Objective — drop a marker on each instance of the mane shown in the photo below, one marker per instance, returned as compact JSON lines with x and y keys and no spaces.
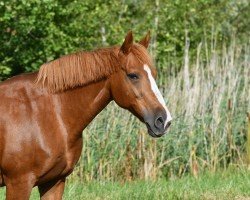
{"x":77,"y":69}
{"x":83,"y":68}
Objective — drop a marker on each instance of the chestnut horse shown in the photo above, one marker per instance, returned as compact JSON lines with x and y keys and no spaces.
{"x":44,"y":113}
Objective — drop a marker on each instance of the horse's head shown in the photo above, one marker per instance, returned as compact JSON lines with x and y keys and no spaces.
{"x":134,"y":87}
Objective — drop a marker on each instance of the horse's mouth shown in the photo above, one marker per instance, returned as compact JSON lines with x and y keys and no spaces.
{"x":154,"y":134}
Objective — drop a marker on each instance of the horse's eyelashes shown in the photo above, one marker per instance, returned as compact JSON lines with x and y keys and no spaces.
{"x":133,"y":76}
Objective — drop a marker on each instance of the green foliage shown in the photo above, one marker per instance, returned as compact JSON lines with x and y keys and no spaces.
{"x":5,"y":72}
{"x":33,"y":31}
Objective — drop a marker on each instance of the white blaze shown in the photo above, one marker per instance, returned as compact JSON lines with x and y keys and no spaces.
{"x":157,"y":93}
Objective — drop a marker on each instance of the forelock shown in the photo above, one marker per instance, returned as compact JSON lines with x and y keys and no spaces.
{"x":141,"y":53}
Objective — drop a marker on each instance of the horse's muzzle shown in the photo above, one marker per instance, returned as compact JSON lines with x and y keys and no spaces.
{"x":156,"y":125}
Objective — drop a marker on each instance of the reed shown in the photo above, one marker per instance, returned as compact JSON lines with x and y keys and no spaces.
{"x":208,"y":131}
{"x":248,"y":141}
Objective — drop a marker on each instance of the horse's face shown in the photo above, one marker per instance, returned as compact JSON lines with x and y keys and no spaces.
{"x":134,"y":87}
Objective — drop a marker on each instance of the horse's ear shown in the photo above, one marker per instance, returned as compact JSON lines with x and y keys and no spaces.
{"x":128,"y":42}
{"x":145,"y":41}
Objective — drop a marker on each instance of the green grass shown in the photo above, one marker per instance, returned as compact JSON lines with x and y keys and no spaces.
{"x":232,"y":184}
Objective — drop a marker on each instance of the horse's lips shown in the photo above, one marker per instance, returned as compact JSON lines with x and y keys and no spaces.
{"x":152,"y":133}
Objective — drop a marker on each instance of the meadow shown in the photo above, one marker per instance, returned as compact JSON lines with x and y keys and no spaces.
{"x":229,"y":184}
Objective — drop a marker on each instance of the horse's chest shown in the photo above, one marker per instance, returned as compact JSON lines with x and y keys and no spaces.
{"x":62,"y":163}
{"x":71,"y":158}
{"x":1,"y":179}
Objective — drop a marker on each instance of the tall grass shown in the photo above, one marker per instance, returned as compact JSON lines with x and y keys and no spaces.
{"x":209,"y":100}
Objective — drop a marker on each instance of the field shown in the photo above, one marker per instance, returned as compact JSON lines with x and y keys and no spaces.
{"x":230,"y":184}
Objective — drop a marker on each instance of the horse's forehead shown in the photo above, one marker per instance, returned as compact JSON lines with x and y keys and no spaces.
{"x":153,"y":71}
{"x":134,"y":62}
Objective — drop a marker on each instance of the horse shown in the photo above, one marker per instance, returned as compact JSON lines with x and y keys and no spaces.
{"x":44,"y":113}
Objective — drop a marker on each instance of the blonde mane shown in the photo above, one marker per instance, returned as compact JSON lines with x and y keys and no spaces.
{"x":82,"y":68}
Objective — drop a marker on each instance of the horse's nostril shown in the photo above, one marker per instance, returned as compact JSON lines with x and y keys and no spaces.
{"x":168,"y":124}
{"x":159,"y":122}
{"x":160,"y":119}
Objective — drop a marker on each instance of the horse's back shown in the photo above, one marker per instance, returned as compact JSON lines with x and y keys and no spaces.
{"x":13,"y":87}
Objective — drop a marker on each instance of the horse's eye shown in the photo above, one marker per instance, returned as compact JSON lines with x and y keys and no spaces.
{"x":133,"y":76}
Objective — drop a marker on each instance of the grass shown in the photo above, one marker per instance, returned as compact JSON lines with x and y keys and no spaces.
{"x":229,"y":184}
{"x":208,"y":186}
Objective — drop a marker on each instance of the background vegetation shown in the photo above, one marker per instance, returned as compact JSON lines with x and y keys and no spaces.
{"x":202,"y":53}
{"x":33,"y":31}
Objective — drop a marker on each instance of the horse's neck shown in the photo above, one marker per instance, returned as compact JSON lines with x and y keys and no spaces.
{"x":80,"y":106}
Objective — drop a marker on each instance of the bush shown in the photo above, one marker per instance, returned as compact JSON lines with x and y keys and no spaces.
{"x":34,"y":31}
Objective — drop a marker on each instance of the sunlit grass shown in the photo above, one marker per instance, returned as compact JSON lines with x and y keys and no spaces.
{"x":231,"y":184}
